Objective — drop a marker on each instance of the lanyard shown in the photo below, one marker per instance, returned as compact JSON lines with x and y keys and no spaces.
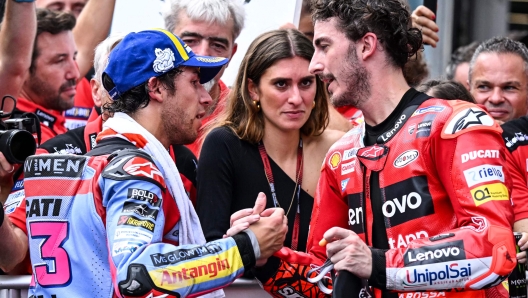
{"x":296,"y":190}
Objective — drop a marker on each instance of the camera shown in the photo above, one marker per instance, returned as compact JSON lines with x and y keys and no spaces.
{"x":16,"y":133}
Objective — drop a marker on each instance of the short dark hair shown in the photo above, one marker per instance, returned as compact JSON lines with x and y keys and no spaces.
{"x":138,"y":97}
{"x":461,"y":55}
{"x":53,"y":22}
{"x":445,"y":89}
{"x":500,"y":45}
{"x":390,"y":20}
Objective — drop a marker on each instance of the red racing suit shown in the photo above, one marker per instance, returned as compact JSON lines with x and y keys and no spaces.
{"x":515,"y":136}
{"x":448,"y":219}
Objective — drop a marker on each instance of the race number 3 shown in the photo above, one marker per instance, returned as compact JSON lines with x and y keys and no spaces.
{"x":54,"y":233}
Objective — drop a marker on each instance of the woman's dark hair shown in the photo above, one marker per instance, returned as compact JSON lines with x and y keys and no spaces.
{"x":138,"y":97}
{"x":390,"y":20}
{"x":446,"y":90}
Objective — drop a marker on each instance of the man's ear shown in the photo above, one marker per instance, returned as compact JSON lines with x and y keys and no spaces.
{"x":369,"y":45}
{"x":155,"y":89}
{"x":96,"y":87}
{"x":253,"y":90}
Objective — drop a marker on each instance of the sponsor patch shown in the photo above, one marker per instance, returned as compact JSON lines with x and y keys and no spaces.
{"x":209,"y":271}
{"x":349,"y":154}
{"x":403,"y":240}
{"x":78,"y":112}
{"x":348,"y":167}
{"x":145,"y":196}
{"x":424,"y":129}
{"x":181,"y":255}
{"x":411,"y":128}
{"x":13,"y":201}
{"x":407,"y":200}
{"x":93,"y":137}
{"x":122,"y":247}
{"x":431,"y":109}
{"x":18,"y":185}
{"x":519,"y":137}
{"x":386,"y":136}
{"x":406,"y":158}
{"x":129,"y":220}
{"x":46,"y":118}
{"x":70,"y":149}
{"x":54,"y":165}
{"x":373,"y":152}
{"x":124,"y":233}
{"x":488,"y":153}
{"x":489,"y":192}
{"x":355,"y":213}
{"x":445,"y":252}
{"x":373,"y":157}
{"x":140,"y":209}
{"x":483,"y":173}
{"x":344,"y":184}
{"x":334,"y":160}
{"x":139,"y":166}
{"x":454,"y":274}
{"x":74,"y":123}
{"x":44,"y":206}
{"x":467,"y":118}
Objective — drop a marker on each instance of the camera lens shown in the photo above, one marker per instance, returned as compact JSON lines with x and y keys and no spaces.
{"x":17,"y":145}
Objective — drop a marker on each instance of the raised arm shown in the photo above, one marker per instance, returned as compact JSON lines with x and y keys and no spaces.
{"x":92,"y":28}
{"x":17,"y":35}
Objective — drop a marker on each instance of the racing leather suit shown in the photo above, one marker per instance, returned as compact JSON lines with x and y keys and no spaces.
{"x":107,"y":225}
{"x":79,"y":141}
{"x":515,"y":136}
{"x":448,"y":219}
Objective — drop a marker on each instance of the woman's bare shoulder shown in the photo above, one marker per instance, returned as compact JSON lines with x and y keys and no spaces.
{"x":325,"y":140}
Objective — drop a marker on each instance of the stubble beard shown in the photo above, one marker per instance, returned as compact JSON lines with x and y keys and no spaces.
{"x":178,"y":126}
{"x":51,"y":99}
{"x":357,"y":84}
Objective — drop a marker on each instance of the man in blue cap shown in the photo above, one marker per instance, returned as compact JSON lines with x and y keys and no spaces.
{"x":118,"y":222}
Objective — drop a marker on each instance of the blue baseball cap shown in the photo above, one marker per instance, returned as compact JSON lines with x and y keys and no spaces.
{"x":152,"y":53}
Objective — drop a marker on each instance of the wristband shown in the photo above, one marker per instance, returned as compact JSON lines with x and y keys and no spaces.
{"x":22,"y":1}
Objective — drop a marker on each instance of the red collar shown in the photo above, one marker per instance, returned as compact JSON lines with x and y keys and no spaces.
{"x":51,"y":118}
{"x":91,"y":130}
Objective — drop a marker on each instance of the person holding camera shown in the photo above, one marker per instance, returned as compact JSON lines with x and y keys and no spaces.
{"x":49,"y":89}
{"x":79,"y":141}
{"x":17,"y":35}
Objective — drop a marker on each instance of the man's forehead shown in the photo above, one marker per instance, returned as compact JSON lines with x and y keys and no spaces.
{"x":492,"y":63}
{"x":204,"y":28}
{"x":326,"y":29}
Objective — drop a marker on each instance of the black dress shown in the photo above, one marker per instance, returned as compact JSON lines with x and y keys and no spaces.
{"x":230,"y":176}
